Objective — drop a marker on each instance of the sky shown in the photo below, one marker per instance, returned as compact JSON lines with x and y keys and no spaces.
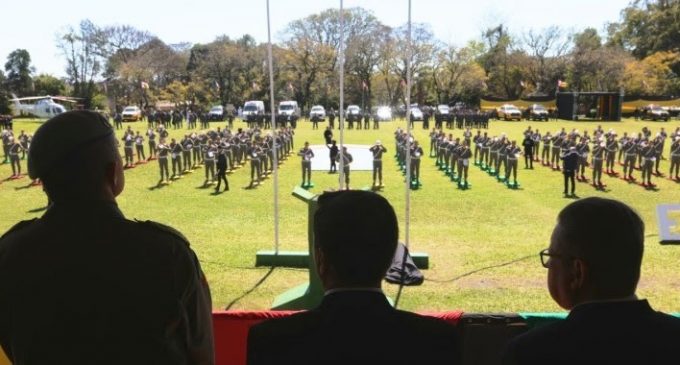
{"x":34,"y":25}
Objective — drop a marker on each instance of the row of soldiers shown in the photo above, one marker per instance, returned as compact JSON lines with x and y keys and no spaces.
{"x":197,"y":149}
{"x":492,"y":153}
{"x":640,"y":151}
{"x":176,"y":119}
{"x":461,"y":119}
{"x":14,"y":149}
{"x":407,"y":146}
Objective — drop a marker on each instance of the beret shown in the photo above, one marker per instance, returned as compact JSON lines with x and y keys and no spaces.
{"x":63,"y":135}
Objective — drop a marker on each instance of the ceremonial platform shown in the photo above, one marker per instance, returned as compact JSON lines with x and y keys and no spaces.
{"x":363,"y":158}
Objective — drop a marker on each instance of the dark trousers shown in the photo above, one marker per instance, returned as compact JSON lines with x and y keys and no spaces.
{"x":377,"y":170}
{"x":222,"y":176}
{"x":334,"y":167}
{"x":529,"y":160}
{"x":569,"y":176}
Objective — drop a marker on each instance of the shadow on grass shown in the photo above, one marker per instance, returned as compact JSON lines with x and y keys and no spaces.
{"x":249,"y":291}
{"x":28,"y":186}
{"x":158,"y":186}
{"x":507,"y":263}
{"x":38,"y":210}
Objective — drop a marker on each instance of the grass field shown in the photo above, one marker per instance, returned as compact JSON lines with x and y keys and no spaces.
{"x":483,"y":243}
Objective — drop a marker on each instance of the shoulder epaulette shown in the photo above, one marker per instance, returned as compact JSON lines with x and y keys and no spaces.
{"x":166,"y":229}
{"x":19,"y":226}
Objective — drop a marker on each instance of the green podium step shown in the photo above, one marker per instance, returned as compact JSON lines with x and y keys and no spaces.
{"x":300,"y":259}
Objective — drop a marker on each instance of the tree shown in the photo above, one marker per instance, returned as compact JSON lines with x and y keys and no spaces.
{"x":652,"y":75}
{"x":83,"y":63}
{"x":456,"y":75}
{"x":647,"y":27}
{"x":547,"y":63}
{"x":19,"y":70}
{"x":49,"y":85}
{"x":595,"y":67}
{"x":416,"y":60}
{"x":505,"y":66}
{"x":4,"y":95}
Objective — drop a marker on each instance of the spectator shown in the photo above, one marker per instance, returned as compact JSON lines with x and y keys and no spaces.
{"x":355,"y":236}
{"x":593,"y":269}
{"x":84,"y":285}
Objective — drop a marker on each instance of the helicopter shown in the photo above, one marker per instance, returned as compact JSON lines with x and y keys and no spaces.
{"x":44,"y":106}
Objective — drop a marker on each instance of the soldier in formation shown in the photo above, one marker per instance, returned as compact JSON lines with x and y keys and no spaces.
{"x":306,"y":154}
{"x":377,"y":151}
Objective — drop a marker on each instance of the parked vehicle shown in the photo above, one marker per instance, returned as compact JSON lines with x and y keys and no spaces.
{"x":216,"y":113}
{"x":253,"y":111}
{"x":289,"y":108}
{"x":509,"y":112}
{"x":654,"y":112}
{"x":318,"y":112}
{"x":443,"y":114}
{"x":353,"y":113}
{"x":416,"y":114}
{"x":131,"y":114}
{"x":383,"y":114}
{"x":537,"y":112}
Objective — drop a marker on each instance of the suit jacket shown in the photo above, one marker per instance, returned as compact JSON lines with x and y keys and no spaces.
{"x":221,"y":162}
{"x":628,"y":332}
{"x":353,"y":327}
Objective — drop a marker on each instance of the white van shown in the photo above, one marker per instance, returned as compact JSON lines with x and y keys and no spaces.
{"x":289,"y":108}
{"x":253,"y":108}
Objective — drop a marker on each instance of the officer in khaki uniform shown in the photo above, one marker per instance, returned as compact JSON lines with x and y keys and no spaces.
{"x":598,"y":156}
{"x":377,"y":150}
{"x":307,"y":154}
{"x":675,"y":158}
{"x":648,"y":159}
{"x":84,"y":285}
{"x":176,"y":154}
{"x":347,"y":159}
{"x":162,"y":150}
{"x":464,"y":155}
{"x":512,"y":153}
{"x":14,"y":159}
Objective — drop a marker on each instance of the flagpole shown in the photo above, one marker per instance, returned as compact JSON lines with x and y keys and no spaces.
{"x":341,"y":55}
{"x":407,"y":205}
{"x":275,"y":164}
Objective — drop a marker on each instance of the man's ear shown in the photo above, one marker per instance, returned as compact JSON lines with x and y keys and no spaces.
{"x":579,"y":274}
{"x":319,"y":262}
{"x":114,"y":176}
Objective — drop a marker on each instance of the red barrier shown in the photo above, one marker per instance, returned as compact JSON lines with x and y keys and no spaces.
{"x":231,"y":331}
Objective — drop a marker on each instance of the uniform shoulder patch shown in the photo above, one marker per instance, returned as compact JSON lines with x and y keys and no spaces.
{"x":167,"y":229}
{"x":19,"y":226}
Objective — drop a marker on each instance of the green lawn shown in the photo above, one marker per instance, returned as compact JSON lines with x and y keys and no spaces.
{"x":469,"y":235}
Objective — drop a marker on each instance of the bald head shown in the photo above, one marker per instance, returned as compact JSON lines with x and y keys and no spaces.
{"x":75,"y":154}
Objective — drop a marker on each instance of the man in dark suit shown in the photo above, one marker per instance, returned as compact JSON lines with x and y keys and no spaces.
{"x":593,"y":269}
{"x":222,"y":170}
{"x":355,"y":236}
{"x":570,"y":165}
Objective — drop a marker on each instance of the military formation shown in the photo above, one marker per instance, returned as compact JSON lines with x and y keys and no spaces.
{"x":635,"y":158}
{"x":217,"y":151}
{"x":605,"y":151}
{"x":406,"y":147}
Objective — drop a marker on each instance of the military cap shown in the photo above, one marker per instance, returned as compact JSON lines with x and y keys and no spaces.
{"x":63,"y":135}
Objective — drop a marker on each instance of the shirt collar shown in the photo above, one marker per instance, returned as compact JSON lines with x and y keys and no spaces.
{"x":344,"y":290}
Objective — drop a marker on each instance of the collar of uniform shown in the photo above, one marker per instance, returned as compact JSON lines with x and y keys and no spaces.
{"x":344,"y":290}
{"x":89,"y":208}
{"x":360,"y":298}
{"x":609,"y":307}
